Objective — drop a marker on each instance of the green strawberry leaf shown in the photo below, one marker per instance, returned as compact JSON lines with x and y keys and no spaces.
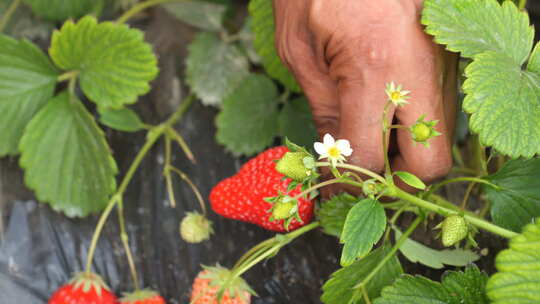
{"x":340,"y":288}
{"x":502,"y":96}
{"x":66,"y":159}
{"x":115,"y":65}
{"x":122,"y":119}
{"x":214,"y":68}
{"x":296,"y":122}
{"x":519,"y":270}
{"x":363,"y":227}
{"x":333,"y":213}
{"x":474,"y":27}
{"x":60,"y":10}
{"x":420,"y":253}
{"x":517,"y":201}
{"x":503,"y":101}
{"x":200,"y":14}
{"x":456,"y":288}
{"x":247,"y":122}
{"x":262,"y":25}
{"x":28,"y":79}
{"x":411,"y":179}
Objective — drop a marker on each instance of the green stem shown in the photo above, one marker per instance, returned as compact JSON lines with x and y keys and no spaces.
{"x":139,"y":7}
{"x":522,"y":4}
{"x":192,"y":186}
{"x":284,"y":240}
{"x":125,"y":242}
{"x":463,"y":179}
{"x":97,"y":232}
{"x":467,"y":195}
{"x":354,"y":168}
{"x":167,"y":171}
{"x":182,"y":143}
{"x":338,"y":180}
{"x":386,"y":128}
{"x":392,"y":252}
{"x":480,"y":223}
{"x":8,"y":14}
{"x":153,"y":135}
{"x":253,"y":251}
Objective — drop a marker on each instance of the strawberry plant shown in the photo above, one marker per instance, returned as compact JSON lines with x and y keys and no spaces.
{"x":56,"y":104}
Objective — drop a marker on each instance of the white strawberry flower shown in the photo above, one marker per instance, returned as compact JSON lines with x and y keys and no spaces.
{"x":396,"y":95}
{"x":334,"y":150}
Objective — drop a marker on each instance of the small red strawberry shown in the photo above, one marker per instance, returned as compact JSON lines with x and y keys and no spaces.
{"x":84,"y":288}
{"x":241,"y":197}
{"x":144,"y":296}
{"x":208,"y":283}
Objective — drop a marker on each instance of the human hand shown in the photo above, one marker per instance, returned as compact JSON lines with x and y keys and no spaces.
{"x":344,"y":52}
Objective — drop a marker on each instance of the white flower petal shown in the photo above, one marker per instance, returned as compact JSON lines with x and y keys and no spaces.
{"x":328,"y":140}
{"x":347,"y":152}
{"x":343,"y":144}
{"x":320,"y":148}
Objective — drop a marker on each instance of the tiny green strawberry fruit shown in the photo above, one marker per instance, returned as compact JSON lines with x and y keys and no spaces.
{"x":454,"y":229}
{"x":424,"y":130}
{"x":284,"y":208}
{"x":292,"y":165}
{"x":195,"y":228}
{"x":370,"y":188}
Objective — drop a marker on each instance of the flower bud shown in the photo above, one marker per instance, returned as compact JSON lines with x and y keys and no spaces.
{"x":292,"y":166}
{"x":195,"y":228}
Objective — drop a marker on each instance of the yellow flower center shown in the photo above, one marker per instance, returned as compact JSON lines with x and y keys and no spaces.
{"x":334,"y":152}
{"x":396,"y":95}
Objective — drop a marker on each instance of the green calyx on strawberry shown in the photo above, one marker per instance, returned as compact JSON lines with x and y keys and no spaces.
{"x":195,"y":228}
{"x":143,"y":296}
{"x":84,"y":288}
{"x":423,"y":130}
{"x":242,"y":196}
{"x":284,"y":208}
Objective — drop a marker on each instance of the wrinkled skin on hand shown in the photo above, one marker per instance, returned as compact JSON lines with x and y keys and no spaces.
{"x":343,"y":53}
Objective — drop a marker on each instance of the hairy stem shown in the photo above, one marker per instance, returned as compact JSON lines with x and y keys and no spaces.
{"x":182,"y":143}
{"x":125,"y":242}
{"x":167,"y":171}
{"x":191,"y":184}
{"x":153,"y":135}
{"x":8,"y":14}
{"x":480,"y":223}
{"x":463,"y":179}
{"x":280,"y":242}
{"x":354,"y":168}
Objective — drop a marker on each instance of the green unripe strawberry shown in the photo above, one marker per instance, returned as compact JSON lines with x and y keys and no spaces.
{"x":195,"y":228}
{"x":421,"y":132}
{"x":292,"y":166}
{"x":284,"y":209}
{"x":454,"y":229}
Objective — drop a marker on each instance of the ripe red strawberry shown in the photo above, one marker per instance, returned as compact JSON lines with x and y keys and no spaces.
{"x":144,"y":296}
{"x":208,"y":282}
{"x":84,"y":288}
{"x":241,"y":197}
